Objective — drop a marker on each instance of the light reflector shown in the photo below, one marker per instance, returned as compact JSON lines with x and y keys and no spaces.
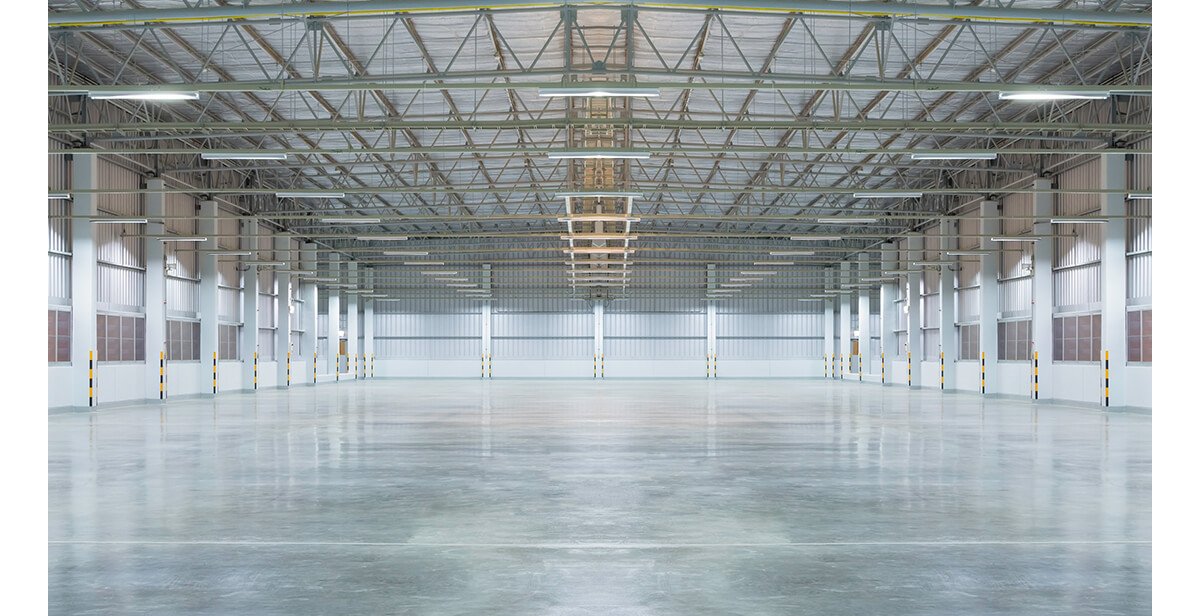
{"x":301,"y":194}
{"x":148,"y":95}
{"x":596,"y":90}
{"x":243,"y":155}
{"x":1052,"y":95}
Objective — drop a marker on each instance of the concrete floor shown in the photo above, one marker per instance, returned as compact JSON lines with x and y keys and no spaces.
{"x":581,"y":497}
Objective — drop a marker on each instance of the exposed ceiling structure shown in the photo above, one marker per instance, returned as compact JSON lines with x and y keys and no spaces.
{"x":600,"y":150}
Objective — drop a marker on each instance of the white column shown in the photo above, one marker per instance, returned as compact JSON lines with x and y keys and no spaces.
{"x":283,"y":312}
{"x":1113,"y":282}
{"x":84,"y":176}
{"x":1043,"y":287}
{"x":369,"y":325}
{"x":989,"y":291}
{"x":916,"y":347}
{"x":830,"y":322}
{"x":949,"y":231}
{"x":887,"y":308}
{"x":352,"y":320}
{"x":864,"y":315}
{"x":308,"y":290}
{"x":249,"y":305}
{"x":333,"y":317}
{"x":206,"y":225}
{"x":844,"y":324}
{"x":597,"y":332}
{"x":710,"y":322}
{"x":485,"y":316}
{"x":156,"y":297}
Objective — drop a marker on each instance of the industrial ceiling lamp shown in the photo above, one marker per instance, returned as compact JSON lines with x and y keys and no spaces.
{"x":597,"y":89}
{"x":1052,"y":95}
{"x":597,"y":153}
{"x":160,"y":96}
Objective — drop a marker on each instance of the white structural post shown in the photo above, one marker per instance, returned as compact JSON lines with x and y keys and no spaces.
{"x":989,"y":291}
{"x":250,"y":309}
{"x":369,"y":325}
{"x":864,"y":317}
{"x":333,"y":317}
{"x":916,"y":347}
{"x":598,"y":336}
{"x":710,"y":322}
{"x":830,"y":324}
{"x":485,"y":317}
{"x":1043,"y":289}
{"x":846,"y":331}
{"x":84,"y":175}
{"x":887,"y":308}
{"x":308,"y":291}
{"x":948,"y":352}
{"x":1113,"y":324}
{"x":283,"y":313}
{"x":156,"y":297}
{"x":352,"y":319}
{"x":206,"y":225}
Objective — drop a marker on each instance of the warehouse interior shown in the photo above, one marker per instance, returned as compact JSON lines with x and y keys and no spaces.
{"x":756,"y":307}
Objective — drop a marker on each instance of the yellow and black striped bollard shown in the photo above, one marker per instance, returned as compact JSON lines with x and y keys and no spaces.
{"x":602,"y":365}
{"x":256,"y":370}
{"x":982,"y":372}
{"x":91,"y":378}
{"x":595,"y":360}
{"x":1035,"y":375}
{"x":942,"y":367}
{"x":882,"y":368}
{"x":314,"y":368}
{"x":289,"y":368}
{"x":162,"y":391}
{"x":910,"y":368}
{"x":1106,"y":378}
{"x":489,"y":365}
{"x":214,"y":372}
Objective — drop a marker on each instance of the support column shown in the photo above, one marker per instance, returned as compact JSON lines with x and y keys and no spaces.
{"x":989,"y":291}
{"x":864,"y":317}
{"x":887,"y":309}
{"x":1113,"y":317}
{"x":352,"y":320}
{"x":710,"y":323}
{"x":916,"y":347}
{"x":844,"y":325}
{"x":830,"y":325}
{"x":283,"y":312}
{"x":485,"y":315}
{"x":598,"y":336}
{"x":369,"y":326}
{"x":84,"y":176}
{"x":206,"y":225}
{"x":1043,"y":288}
{"x":250,"y":348}
{"x":156,"y":295}
{"x":308,"y":290}
{"x":333,"y":317}
{"x":949,"y":352}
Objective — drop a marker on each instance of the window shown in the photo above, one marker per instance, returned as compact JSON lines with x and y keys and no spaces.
{"x":968,"y":342}
{"x":60,"y":336}
{"x":183,"y":340}
{"x":120,"y":338}
{"x":1077,"y":338}
{"x":227,"y":343}
{"x":1013,"y":341}
{"x":1139,"y":327}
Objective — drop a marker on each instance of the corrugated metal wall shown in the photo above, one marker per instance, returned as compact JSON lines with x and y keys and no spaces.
{"x":120,"y":252}
{"x":769,"y":329}
{"x":1078,"y":248}
{"x":655,"y":328}
{"x":59,"y":271}
{"x":429,"y":329}
{"x":542,"y":329}
{"x":1016,"y":259}
{"x":1139,"y":274}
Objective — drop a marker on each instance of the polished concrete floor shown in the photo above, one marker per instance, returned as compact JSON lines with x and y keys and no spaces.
{"x":618,"y":497}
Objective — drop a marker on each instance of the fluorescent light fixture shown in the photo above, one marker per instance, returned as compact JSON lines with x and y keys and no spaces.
{"x":792,"y":253}
{"x":147,"y":95}
{"x":583,"y":237}
{"x":898,"y":272}
{"x":1078,"y":221}
{"x":230,"y":253}
{"x":596,"y":153}
{"x":597,"y":250}
{"x":381,"y":238}
{"x":300,"y":194}
{"x":758,"y":273}
{"x":461,"y":284}
{"x":742,"y":279}
{"x":599,"y":218}
{"x":1052,"y":95}
{"x":265,"y":263}
{"x":62,"y":196}
{"x":967,"y":253}
{"x":321,"y":279}
{"x":816,"y":238}
{"x":597,"y":89}
{"x":439,"y":273}
{"x":183,"y":238}
{"x":405,"y":253}
{"x":839,"y":291}
{"x":423,"y":262}
{"x":823,"y":295}
{"x":885,"y":194}
{"x":735,"y":284}
{"x":878,"y":279}
{"x":847,"y":220}
{"x":929,"y":263}
{"x":351,"y":220}
{"x":298,"y":272}
{"x":609,"y":194}
{"x":1129,"y":196}
{"x":374,"y":295}
{"x":119,"y":221}
{"x":953,"y":156}
{"x":770,"y":263}
{"x":724,"y":290}
{"x":243,"y":155}
{"x":450,"y":279}
{"x":1012,"y":238}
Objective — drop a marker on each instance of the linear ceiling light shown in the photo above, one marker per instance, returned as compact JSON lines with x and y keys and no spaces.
{"x":450,"y":279}
{"x":61,"y":196}
{"x":321,"y":279}
{"x":839,"y":291}
{"x":381,"y":238}
{"x":148,"y":95}
{"x":230,"y":253}
{"x":243,"y":155}
{"x":816,"y":238}
{"x":822,"y":295}
{"x":298,"y":272}
{"x":265,"y":263}
{"x":757,"y":273}
{"x":770,"y":263}
{"x":583,"y":237}
{"x":119,"y":221}
{"x":601,"y":194}
{"x":461,"y":284}
{"x":889,"y":195}
{"x":596,"y":90}
{"x":406,"y":253}
{"x":953,"y":156}
{"x":847,"y":220}
{"x":598,"y":250}
{"x":183,"y":238}
{"x":1129,"y":196}
{"x":586,"y":154}
{"x":621,"y":264}
{"x":599,"y":218}
{"x":291,"y":194}
{"x":735,"y":284}
{"x":792,"y":253}
{"x":423,"y":262}
{"x":439,"y":273}
{"x":745,"y":279}
{"x":898,"y":272}
{"x":1012,"y":238}
{"x":878,"y":279}
{"x":350,"y":220}
{"x":1052,"y":95}
{"x":1078,"y":221}
{"x":929,"y":263}
{"x":967,"y":253}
